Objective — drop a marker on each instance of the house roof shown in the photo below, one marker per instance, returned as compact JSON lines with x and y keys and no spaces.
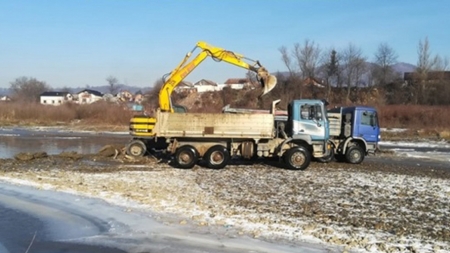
{"x":93,"y":92}
{"x":54,"y":93}
{"x":205,"y":82}
{"x":185,"y":83}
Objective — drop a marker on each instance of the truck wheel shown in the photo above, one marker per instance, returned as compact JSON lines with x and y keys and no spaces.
{"x":186,"y":157}
{"x":217,"y":157}
{"x":355,"y":154}
{"x":136,"y":148}
{"x":328,"y":158}
{"x":297,"y":158}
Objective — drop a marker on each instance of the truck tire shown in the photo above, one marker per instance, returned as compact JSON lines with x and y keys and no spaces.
{"x":328,"y":158}
{"x":355,"y":155}
{"x":297,"y":158}
{"x":136,"y":148}
{"x":186,"y":157}
{"x":217,"y":157}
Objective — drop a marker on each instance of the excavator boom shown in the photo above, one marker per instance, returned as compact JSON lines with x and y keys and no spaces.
{"x":185,"y":67}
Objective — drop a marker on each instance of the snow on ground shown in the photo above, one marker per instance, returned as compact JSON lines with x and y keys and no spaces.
{"x":433,"y":150}
{"x":428,"y":144}
{"x":393,"y":130}
{"x":359,"y":211}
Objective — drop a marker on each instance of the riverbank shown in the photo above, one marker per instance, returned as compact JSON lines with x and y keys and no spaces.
{"x":375,"y":206}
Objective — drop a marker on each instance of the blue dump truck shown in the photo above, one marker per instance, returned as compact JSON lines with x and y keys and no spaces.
{"x":296,"y":136}
{"x":354,"y":133}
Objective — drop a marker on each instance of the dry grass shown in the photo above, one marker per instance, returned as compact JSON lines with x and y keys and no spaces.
{"x":415,"y":116}
{"x":93,"y":115}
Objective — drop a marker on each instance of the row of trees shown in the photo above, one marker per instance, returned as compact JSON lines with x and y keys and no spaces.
{"x":29,"y":88}
{"x":349,"y":69}
{"x":343,"y":72}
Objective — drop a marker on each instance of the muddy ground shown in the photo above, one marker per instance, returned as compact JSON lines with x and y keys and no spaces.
{"x":383,"y":204}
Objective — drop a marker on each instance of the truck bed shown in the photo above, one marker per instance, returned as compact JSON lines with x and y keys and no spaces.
{"x":212,"y":125}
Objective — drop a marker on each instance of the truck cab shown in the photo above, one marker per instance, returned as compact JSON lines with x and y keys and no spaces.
{"x":306,"y":121}
{"x":354,"y":132}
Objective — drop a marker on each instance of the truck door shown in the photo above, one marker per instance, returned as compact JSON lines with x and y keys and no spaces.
{"x":309,"y":119}
{"x":368,"y":127}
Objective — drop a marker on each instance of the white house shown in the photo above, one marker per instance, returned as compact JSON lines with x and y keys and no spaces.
{"x":184,"y":86}
{"x":53,"y":97}
{"x":88,"y":96}
{"x":206,"y":85}
{"x":237,"y":83}
{"x":5,"y":98}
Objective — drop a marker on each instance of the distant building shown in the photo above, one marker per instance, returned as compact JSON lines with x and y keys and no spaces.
{"x":206,"y":85}
{"x":5,"y":98}
{"x":53,"y":97}
{"x":88,"y":96}
{"x":184,"y":86}
{"x":237,"y":83}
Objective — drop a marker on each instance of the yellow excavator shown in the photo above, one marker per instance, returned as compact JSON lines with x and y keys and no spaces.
{"x":183,"y":69}
{"x":142,"y":126}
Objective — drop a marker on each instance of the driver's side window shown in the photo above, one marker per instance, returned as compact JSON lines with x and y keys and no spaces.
{"x":305,"y":112}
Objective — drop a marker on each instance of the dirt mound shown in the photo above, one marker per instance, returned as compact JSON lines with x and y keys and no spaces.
{"x":30,"y":156}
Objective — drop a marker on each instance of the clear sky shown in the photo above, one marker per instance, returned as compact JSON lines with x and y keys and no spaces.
{"x":74,"y":43}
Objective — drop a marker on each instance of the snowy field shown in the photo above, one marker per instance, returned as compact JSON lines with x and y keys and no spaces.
{"x":336,"y":205}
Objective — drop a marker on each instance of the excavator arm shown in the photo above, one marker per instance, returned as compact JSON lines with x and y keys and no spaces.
{"x":183,"y":69}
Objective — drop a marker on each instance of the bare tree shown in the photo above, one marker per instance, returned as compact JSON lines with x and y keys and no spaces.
{"x":287,"y":60}
{"x":425,"y":64}
{"x":153,"y":94}
{"x":307,"y":56}
{"x":292,"y":80}
{"x":354,"y":64}
{"x":28,"y":89}
{"x":383,"y":72}
{"x":441,"y":63}
{"x":113,"y":84}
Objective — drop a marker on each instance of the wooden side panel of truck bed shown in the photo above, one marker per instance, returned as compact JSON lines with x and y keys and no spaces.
{"x":215,"y":125}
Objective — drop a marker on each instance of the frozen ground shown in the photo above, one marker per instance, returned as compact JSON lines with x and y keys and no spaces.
{"x":431,"y":150}
{"x":364,"y":208}
{"x":74,"y":219}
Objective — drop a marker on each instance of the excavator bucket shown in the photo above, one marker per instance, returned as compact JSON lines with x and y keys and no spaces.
{"x":268,"y":81}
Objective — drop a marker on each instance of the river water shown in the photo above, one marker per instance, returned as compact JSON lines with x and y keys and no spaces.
{"x":55,"y":140}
